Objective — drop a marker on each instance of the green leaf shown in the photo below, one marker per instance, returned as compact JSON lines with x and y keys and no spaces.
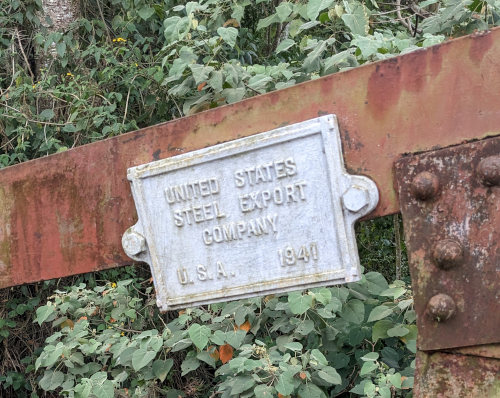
{"x":242,"y":383}
{"x":380,"y":312}
{"x":259,"y":82}
{"x":47,"y":114}
{"x":330,"y":375}
{"x":229,"y":35}
{"x":145,"y":12}
{"x":176,"y":28}
{"x":264,"y":391}
{"x":285,"y":384}
{"x":395,"y":379}
{"x":51,"y":380}
{"x":357,"y":20}
{"x":61,"y":49}
{"x":294,"y":346}
{"x":380,"y":328}
{"x":315,"y":6}
{"x":368,"y":367}
{"x":370,"y":357}
{"x":45,"y":311}
{"x":323,"y":295}
{"x":299,"y":303}
{"x":199,"y":334}
{"x":376,"y":282}
{"x":353,"y":311}
{"x":318,"y":356}
{"x":310,"y":391}
{"x":285,"y":45}
{"x":190,"y":364}
{"x":283,"y":11}
{"x":264,"y":23}
{"x":162,"y":367}
{"x":141,"y":358}
{"x":398,"y":331}
{"x":235,"y":338}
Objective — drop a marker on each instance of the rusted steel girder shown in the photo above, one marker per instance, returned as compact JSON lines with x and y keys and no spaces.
{"x":65,"y":214}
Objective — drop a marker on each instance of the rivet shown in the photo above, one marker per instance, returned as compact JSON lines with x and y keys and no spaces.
{"x":489,"y":170}
{"x":441,"y":307}
{"x":425,"y":185}
{"x":448,"y":253}
{"x":133,"y":243}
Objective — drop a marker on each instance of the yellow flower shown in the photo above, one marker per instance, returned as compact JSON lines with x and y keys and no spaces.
{"x":122,"y":334}
{"x":69,"y":74}
{"x":136,"y":65}
{"x":119,"y":40}
{"x":113,"y":285}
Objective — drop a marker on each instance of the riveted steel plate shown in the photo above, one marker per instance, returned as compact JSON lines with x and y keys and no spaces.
{"x":269,"y":213}
{"x":450,"y":201}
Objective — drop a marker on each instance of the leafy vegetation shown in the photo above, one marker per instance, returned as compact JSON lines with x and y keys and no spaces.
{"x":129,"y":64}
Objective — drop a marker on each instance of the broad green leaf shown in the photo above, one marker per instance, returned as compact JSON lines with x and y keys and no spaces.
{"x":162,"y":367}
{"x":235,"y":338}
{"x":259,"y":82}
{"x":45,"y":311}
{"x":380,"y":312}
{"x":264,"y":23}
{"x":51,"y":380}
{"x":283,"y":11}
{"x":190,"y":364}
{"x":307,"y":25}
{"x":233,"y":94}
{"x":61,"y":49}
{"x":380,"y":328}
{"x":199,"y":334}
{"x":395,"y":379}
{"x":294,"y":346}
{"x":357,"y":20}
{"x":318,"y":356}
{"x":285,"y":384}
{"x":299,"y":303}
{"x":368,"y":367}
{"x":141,"y":358}
{"x":305,"y":327}
{"x":394,"y":292}
{"x":264,"y":391}
{"x":229,"y":35}
{"x":323,"y":295}
{"x":371,"y":356}
{"x":241,"y":384}
{"x":219,"y":337}
{"x":398,"y":331}
{"x":46,"y":114}
{"x":368,"y":47}
{"x":285,"y":45}
{"x":330,"y":375}
{"x":176,"y":28}
{"x":104,"y":389}
{"x":145,"y":12}
{"x":310,"y":390}
{"x":353,"y":311}
{"x":315,"y":6}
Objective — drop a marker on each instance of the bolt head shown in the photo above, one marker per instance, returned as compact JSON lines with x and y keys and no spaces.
{"x":425,"y":186}
{"x":133,"y":243}
{"x":448,"y":253}
{"x":441,"y":307}
{"x":489,"y":170}
{"x":355,"y":198}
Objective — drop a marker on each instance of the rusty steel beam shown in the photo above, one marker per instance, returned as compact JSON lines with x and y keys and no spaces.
{"x":65,"y":214}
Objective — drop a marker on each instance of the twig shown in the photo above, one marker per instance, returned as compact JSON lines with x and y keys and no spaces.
{"x":397,"y":235}
{"x":24,"y":55}
{"x":126,"y":103}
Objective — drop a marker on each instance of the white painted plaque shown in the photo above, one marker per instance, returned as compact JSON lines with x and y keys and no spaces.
{"x":269,"y":213}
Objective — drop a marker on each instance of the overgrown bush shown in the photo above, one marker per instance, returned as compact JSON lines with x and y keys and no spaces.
{"x":323,"y":342}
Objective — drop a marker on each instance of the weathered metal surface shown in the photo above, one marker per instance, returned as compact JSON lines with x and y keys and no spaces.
{"x":444,"y":375}
{"x":65,"y":214}
{"x":453,"y":238}
{"x":260,"y":215}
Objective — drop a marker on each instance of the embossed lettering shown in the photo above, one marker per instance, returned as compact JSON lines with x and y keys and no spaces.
{"x":202,"y":272}
{"x":260,"y":199}
{"x":265,"y":172}
{"x":198,"y":214}
{"x":192,"y":190}
{"x":182,"y":275}
{"x":240,"y":230}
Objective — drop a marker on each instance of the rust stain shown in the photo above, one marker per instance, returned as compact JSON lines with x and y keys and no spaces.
{"x":480,"y":45}
{"x":444,"y":375}
{"x":449,"y":201}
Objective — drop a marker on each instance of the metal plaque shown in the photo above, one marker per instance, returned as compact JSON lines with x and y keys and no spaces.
{"x":265,"y":214}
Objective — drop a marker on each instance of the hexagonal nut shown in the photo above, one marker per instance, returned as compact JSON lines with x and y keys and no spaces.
{"x":355,"y":199}
{"x":133,"y":243}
